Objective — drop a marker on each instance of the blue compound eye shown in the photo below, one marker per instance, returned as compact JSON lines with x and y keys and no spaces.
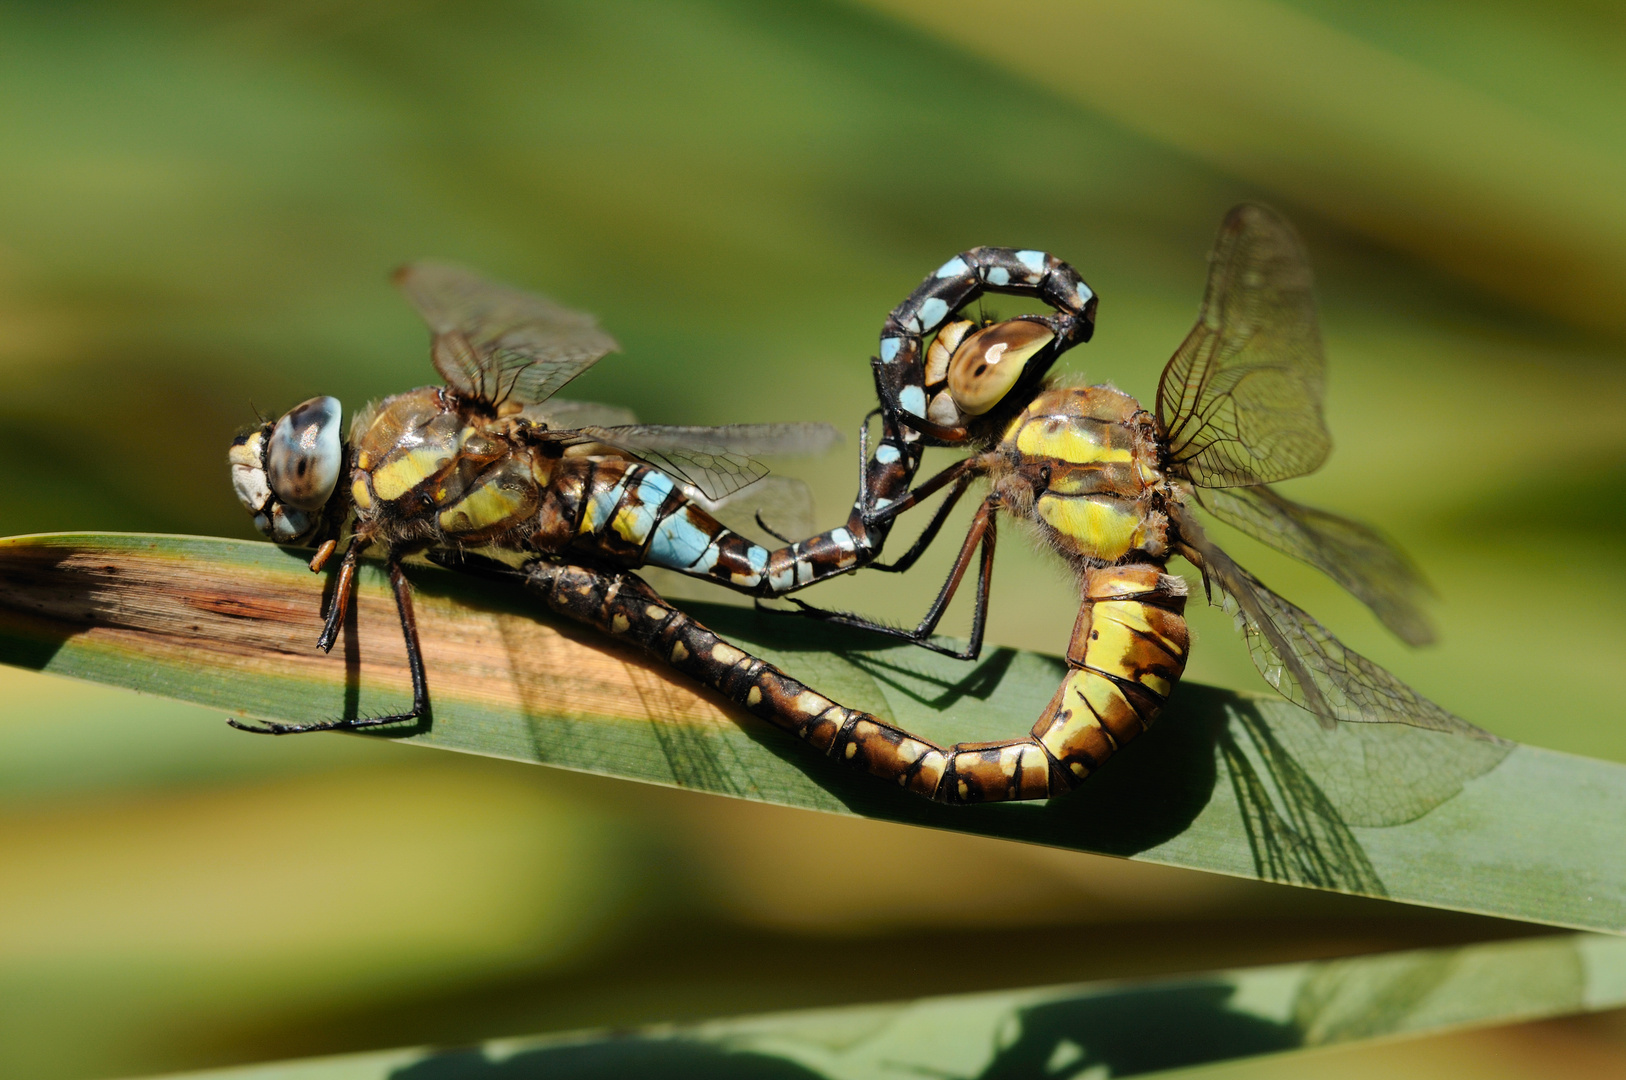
{"x":303,"y":461}
{"x":991,"y":361}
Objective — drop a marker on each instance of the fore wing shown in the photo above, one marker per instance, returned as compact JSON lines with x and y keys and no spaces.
{"x":495,"y":343}
{"x":781,"y":505}
{"x":559,"y":414}
{"x":1304,"y":661}
{"x":1240,"y":401}
{"x":1356,"y":556}
{"x":717,"y":461}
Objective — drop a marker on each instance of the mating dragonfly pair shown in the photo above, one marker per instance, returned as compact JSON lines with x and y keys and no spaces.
{"x":493,"y":462}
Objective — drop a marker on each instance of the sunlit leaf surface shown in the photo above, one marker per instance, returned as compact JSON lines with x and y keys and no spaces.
{"x":1226,"y":782}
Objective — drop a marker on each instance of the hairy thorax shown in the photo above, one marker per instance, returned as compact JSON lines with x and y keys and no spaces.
{"x":1083,"y":464}
{"x":424,"y":469}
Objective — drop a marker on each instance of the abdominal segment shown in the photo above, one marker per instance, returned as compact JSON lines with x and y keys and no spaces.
{"x":635,"y":515}
{"x":1128,"y":650}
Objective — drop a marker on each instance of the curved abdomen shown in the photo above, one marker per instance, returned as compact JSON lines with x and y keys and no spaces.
{"x":1128,"y":650}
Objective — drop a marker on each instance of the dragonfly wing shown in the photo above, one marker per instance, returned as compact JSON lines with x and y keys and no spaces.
{"x":1303,"y":660}
{"x":781,"y":503}
{"x":1358,"y":557}
{"x":716,"y":461}
{"x":495,"y":343}
{"x":755,"y":440}
{"x":714,"y":471}
{"x":1240,"y":401}
{"x":1399,"y":774}
{"x":558,"y":414}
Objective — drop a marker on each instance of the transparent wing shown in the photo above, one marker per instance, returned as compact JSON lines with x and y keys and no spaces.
{"x":496,"y":343}
{"x":1240,"y":401}
{"x":767,"y":440}
{"x":1304,"y":661}
{"x":716,"y":461}
{"x":782,"y":504}
{"x":558,"y":414}
{"x":1400,"y":774}
{"x":1358,"y":557}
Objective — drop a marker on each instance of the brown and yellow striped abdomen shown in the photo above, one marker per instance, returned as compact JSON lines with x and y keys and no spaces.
{"x":1130,"y":638}
{"x":1128,"y":650}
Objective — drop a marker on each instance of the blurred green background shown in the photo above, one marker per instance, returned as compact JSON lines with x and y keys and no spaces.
{"x":199,"y":206}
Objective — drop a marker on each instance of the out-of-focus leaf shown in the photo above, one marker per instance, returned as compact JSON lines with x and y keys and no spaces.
{"x":1391,"y":147}
{"x":1112,"y":1029}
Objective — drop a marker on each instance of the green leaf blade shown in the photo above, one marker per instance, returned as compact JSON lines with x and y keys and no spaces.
{"x":1227,"y":783}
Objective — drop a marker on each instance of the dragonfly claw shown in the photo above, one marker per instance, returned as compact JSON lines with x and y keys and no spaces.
{"x":273,"y":728}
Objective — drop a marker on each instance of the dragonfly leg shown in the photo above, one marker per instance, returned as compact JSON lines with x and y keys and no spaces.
{"x":420,"y":684}
{"x":343,"y":586}
{"x":865,"y":464}
{"x":960,"y":474}
{"x":964,"y":470}
{"x":982,"y":534}
{"x":903,"y":562}
{"x":771,"y":531}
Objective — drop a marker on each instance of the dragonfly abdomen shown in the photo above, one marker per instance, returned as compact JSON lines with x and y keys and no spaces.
{"x":1128,"y":649}
{"x":1107,"y":699}
{"x":635,"y":515}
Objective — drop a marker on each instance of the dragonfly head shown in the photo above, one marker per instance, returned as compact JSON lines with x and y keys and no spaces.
{"x":285,"y":472}
{"x":989,"y":363}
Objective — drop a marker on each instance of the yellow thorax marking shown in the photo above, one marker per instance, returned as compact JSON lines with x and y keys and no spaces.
{"x":408,"y":471}
{"x":1072,"y":442}
{"x":486,"y":506}
{"x":1106,"y":528}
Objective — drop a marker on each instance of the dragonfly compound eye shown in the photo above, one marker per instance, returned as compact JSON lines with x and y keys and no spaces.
{"x":991,"y":361}
{"x":303,"y":459}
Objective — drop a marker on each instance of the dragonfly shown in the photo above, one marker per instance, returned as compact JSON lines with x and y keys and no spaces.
{"x":1113,"y":488}
{"x":493,"y":460}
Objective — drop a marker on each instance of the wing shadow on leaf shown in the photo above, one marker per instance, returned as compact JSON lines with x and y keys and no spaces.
{"x":1295,"y":833}
{"x":1301,"y":791}
{"x":1127,"y":1033}
{"x":610,"y":1059}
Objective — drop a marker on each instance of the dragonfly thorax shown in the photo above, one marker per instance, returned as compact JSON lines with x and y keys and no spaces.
{"x":426,"y":467}
{"x":1081,"y":462}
